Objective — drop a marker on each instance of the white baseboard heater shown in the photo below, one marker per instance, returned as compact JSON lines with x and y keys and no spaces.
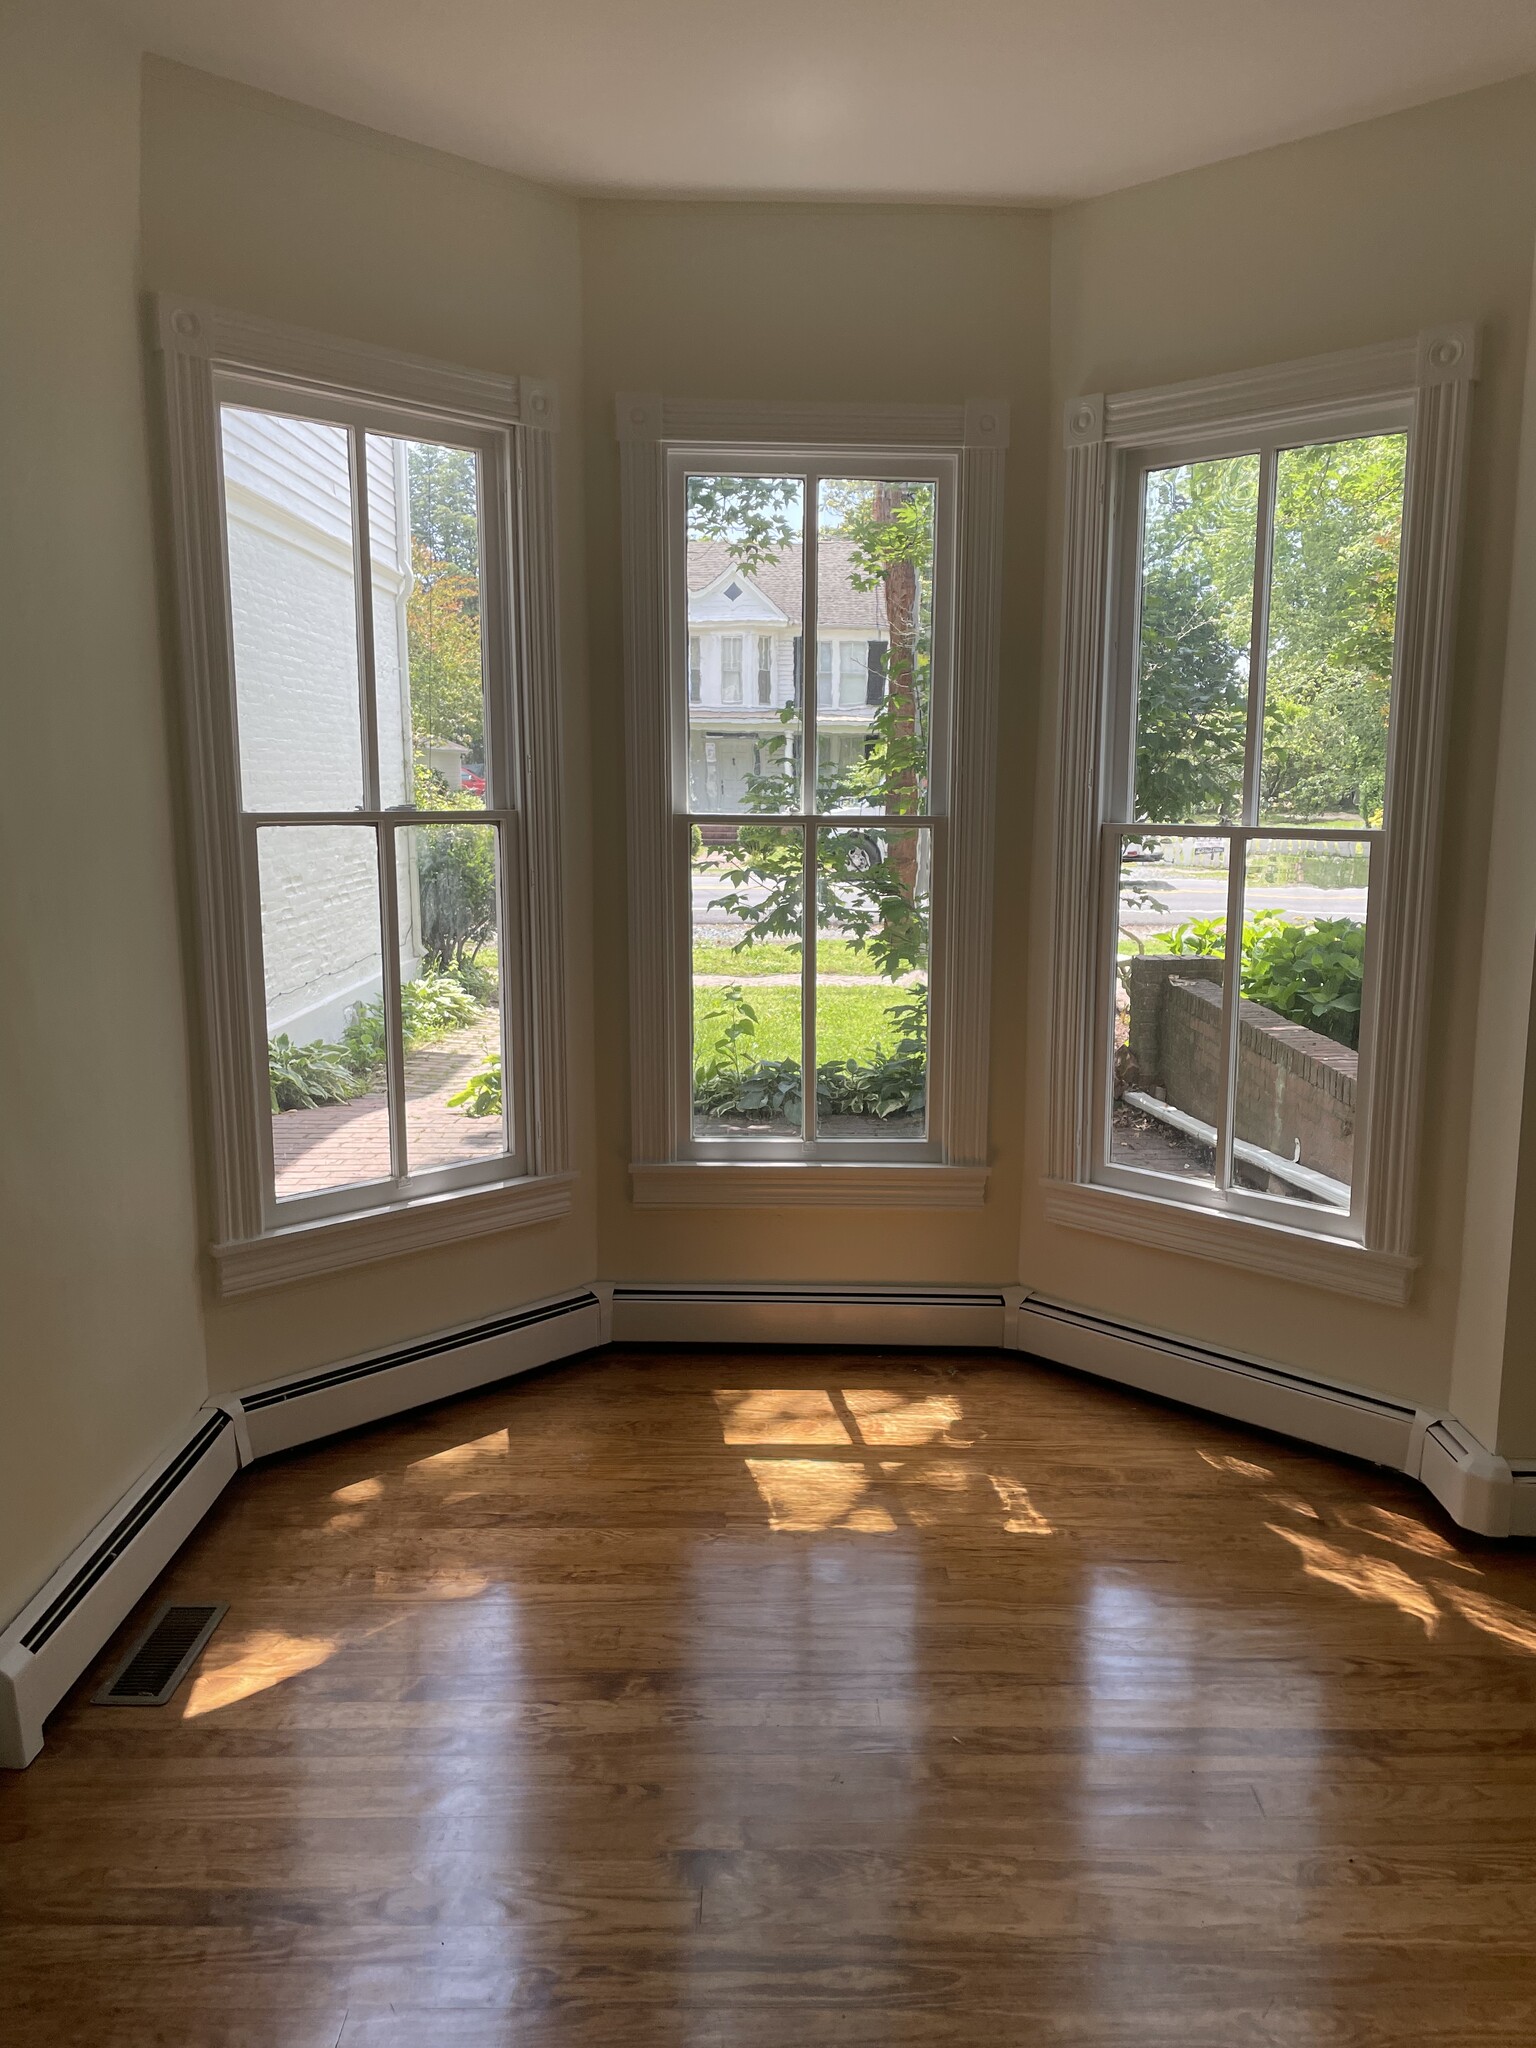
{"x":282,"y":1413}
{"x":60,"y":1632}
{"x":783,"y":1313}
{"x":1477,"y":1489}
{"x":55,"y":1637}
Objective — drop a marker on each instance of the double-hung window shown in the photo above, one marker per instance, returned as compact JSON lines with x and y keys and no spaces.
{"x":818,"y":1008}
{"x":730,"y":668}
{"x":1242,"y":1032}
{"x":368,"y":653}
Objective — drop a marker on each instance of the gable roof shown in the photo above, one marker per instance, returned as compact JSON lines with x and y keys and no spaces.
{"x":838,"y":603}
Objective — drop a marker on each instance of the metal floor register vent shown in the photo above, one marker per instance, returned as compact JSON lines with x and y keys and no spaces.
{"x":162,"y":1656}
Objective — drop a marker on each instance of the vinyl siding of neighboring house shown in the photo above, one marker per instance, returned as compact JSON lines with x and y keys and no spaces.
{"x":289,"y":525}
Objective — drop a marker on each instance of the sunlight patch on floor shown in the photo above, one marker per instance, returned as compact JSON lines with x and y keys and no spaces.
{"x":360,"y":1492}
{"x":779,"y":1415}
{"x":1406,"y":1533}
{"x":807,"y":1495}
{"x":238,"y":1670}
{"x":1493,"y":1617}
{"x":1020,"y":1515}
{"x":496,"y":1445}
{"x":1367,"y":1578}
{"x":1241,"y":1467}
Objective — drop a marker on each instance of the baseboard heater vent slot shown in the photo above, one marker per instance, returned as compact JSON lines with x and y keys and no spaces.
{"x":162,"y":1656}
{"x":111,"y":1547}
{"x":412,"y":1354}
{"x":800,"y":1297}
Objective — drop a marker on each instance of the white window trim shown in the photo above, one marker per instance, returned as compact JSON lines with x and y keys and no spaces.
{"x":200,"y":345}
{"x":976,"y":435}
{"x":1429,"y":378}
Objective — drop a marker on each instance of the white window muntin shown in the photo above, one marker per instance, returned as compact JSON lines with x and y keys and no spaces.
{"x":812,"y":468}
{"x":496,"y":513}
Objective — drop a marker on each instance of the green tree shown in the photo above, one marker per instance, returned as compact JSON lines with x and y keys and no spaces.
{"x":445,"y":504}
{"x":442,"y":620}
{"x":1193,"y":637}
{"x":1331,"y":623}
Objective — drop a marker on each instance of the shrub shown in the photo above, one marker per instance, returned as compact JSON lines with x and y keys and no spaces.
{"x":729,"y":1080}
{"x":455,"y":877}
{"x":430,"y":1006}
{"x":1312,"y":973}
{"x":481,"y":1093}
{"x":307,"y":1076}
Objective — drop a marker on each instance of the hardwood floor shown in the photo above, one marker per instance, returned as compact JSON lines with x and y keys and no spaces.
{"x":752,"y":1700}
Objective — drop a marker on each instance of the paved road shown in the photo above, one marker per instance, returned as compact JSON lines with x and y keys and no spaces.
{"x":1179,"y":893}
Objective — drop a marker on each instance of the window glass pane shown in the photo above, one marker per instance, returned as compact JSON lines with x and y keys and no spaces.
{"x":1167,"y":1058}
{"x":873,"y":896}
{"x":324,"y":973}
{"x":748,"y":930}
{"x":424,"y":522}
{"x":1195,"y":628}
{"x":745,"y":576}
{"x":1304,"y":905}
{"x":293,"y":609}
{"x":1332,"y":617}
{"x":450,"y":994}
{"x":874,"y":591}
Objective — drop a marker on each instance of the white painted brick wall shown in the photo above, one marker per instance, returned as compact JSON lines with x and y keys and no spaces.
{"x":293,"y":601}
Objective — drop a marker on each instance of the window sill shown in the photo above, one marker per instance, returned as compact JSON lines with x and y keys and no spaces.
{"x":1295,"y":1255}
{"x":302,"y":1251}
{"x":805,"y":1184}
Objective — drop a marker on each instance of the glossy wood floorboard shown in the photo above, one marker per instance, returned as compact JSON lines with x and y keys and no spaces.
{"x":767,"y":1700}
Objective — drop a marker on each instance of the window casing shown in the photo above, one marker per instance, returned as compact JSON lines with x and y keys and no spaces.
{"x":1238,"y":1194}
{"x":360,"y":871}
{"x":939,"y":1161}
{"x":847,"y":844}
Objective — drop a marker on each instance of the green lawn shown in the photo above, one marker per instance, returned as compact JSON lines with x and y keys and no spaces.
{"x":851,"y":1022}
{"x":833,"y":956}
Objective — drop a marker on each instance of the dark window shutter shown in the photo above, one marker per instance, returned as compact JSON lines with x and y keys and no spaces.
{"x":875,"y":692}
{"x":799,"y":665}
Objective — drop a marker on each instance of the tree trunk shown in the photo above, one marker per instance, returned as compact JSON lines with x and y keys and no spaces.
{"x":899,"y":587}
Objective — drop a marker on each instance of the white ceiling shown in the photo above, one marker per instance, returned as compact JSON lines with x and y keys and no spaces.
{"x":1025,"y":100}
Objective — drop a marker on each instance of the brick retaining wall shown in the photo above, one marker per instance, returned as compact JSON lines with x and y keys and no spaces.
{"x":1293,"y":1085}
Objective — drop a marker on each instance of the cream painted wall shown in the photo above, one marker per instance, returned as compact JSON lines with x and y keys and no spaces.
{"x":822,"y":302}
{"x":1359,"y":236}
{"x":269,"y":208}
{"x":100,"y":1338}
{"x":1491,"y":1368}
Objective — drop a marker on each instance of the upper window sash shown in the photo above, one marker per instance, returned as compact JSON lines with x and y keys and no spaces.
{"x":821,"y":667}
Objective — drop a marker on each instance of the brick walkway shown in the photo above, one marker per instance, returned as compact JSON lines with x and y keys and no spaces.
{"x":346,"y":1142}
